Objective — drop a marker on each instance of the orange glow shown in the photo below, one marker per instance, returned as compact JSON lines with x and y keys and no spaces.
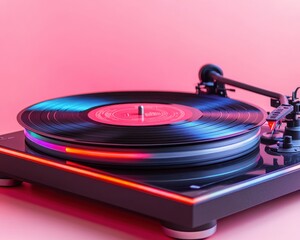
{"x":106,"y":154}
{"x":101,"y":176}
{"x":272,"y":124}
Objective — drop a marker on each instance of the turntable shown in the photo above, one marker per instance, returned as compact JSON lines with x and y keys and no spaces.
{"x":185,"y":159}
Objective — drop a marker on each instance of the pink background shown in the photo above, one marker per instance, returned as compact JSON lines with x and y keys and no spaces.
{"x":61,"y":47}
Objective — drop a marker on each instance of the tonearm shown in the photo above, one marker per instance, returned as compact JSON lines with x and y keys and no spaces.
{"x":287,"y":109}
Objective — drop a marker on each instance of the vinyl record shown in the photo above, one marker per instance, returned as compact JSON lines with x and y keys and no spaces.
{"x":141,"y":119}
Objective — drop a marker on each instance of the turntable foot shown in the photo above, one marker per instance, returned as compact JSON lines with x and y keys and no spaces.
{"x":8,"y":182}
{"x":179,"y":232}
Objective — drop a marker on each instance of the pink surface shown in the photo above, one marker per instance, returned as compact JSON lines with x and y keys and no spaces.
{"x":61,"y":47}
{"x":31,"y":212}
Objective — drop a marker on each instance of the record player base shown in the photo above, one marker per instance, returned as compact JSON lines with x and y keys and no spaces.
{"x":171,"y":230}
{"x":201,"y":232}
{"x":182,"y":216}
{"x":9,"y":182}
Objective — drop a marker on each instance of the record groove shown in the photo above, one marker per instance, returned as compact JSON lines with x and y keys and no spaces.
{"x":67,"y":119}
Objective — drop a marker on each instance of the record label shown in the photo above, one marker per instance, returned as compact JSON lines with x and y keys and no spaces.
{"x":144,"y":114}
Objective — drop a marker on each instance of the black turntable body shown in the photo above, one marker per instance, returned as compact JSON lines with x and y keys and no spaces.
{"x":184,"y":159}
